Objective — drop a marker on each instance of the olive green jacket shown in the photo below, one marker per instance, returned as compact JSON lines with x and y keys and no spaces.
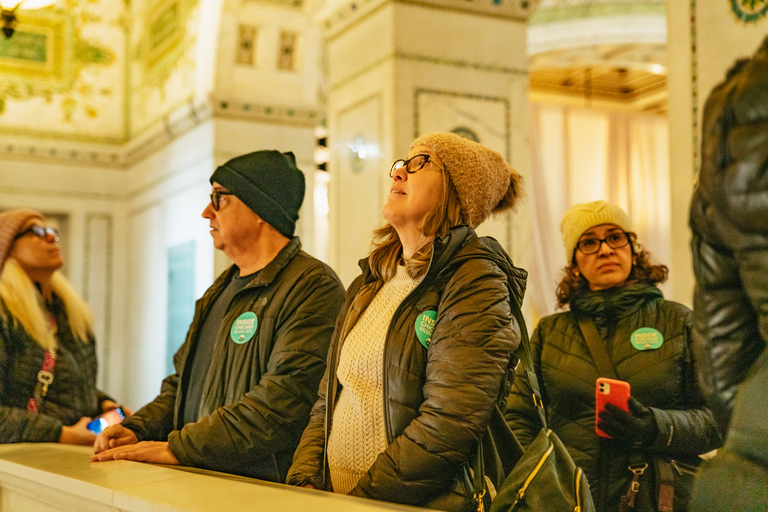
{"x":257,"y":395}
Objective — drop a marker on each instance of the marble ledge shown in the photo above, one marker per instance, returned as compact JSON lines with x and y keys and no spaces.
{"x":54,"y":477}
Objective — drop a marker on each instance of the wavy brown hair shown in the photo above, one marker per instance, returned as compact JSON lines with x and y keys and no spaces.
{"x":643,"y":271}
{"x":387,"y":250}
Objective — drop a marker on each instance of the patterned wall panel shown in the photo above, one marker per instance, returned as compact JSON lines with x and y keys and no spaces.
{"x":162,"y":59}
{"x":97,"y":287}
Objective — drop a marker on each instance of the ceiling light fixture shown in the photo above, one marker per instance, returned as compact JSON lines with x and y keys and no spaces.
{"x":9,"y":8}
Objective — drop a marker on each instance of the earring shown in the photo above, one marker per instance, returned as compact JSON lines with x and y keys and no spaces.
{"x":576,"y":273}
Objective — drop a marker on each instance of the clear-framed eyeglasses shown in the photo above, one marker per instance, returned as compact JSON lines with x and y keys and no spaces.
{"x":614,"y":240}
{"x":413,"y":164}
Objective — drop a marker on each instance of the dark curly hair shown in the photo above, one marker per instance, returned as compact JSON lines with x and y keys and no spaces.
{"x":643,"y":271}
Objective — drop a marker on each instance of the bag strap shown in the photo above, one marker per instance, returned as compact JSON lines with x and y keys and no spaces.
{"x":596,"y":346}
{"x":45,"y":375}
{"x":526,"y":359}
{"x":44,"y":379}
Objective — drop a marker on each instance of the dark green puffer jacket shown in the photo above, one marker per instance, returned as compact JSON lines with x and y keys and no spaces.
{"x":257,"y":395}
{"x":661,"y":379}
{"x":72,"y":394}
{"x":438,"y":401}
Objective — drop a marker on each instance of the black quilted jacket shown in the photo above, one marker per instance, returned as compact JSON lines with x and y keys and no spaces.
{"x":729,"y":218}
{"x":661,"y":379}
{"x":72,"y":395}
{"x":438,"y":402}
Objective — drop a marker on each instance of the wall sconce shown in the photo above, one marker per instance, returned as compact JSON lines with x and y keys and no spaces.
{"x":9,"y":8}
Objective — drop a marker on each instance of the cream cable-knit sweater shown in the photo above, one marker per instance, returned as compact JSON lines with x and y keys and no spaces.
{"x":357,"y":432}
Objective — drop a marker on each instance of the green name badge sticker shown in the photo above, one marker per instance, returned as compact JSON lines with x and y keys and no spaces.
{"x":646,"y":338}
{"x":425,"y":325}
{"x":244,"y":328}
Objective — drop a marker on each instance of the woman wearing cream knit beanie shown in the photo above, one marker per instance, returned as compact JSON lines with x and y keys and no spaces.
{"x":619,"y":326}
{"x":426,"y":339}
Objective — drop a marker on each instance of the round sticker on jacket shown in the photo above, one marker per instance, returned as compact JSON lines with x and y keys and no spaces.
{"x":244,"y":328}
{"x":646,"y":338}
{"x":425,"y":325}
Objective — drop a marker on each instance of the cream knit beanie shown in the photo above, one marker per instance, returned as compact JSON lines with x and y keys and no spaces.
{"x":581,"y":217}
{"x":11,"y":222}
{"x":484,"y":181}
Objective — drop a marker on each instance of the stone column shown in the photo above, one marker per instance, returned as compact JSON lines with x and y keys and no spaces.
{"x":401,"y":69}
{"x":704,"y":39}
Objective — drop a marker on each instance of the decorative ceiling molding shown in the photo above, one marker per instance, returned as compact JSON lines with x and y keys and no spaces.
{"x":157,"y":137}
{"x":554,"y":11}
{"x":172,"y":126}
{"x":285,"y":3}
{"x":271,"y":113}
{"x":342,"y":14}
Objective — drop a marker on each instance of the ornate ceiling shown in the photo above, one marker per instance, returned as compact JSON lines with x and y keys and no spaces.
{"x":600,"y":50}
{"x":111,"y":73}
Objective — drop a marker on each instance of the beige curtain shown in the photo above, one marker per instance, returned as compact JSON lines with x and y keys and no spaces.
{"x":584,"y":155}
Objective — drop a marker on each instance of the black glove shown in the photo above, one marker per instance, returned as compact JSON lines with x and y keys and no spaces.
{"x":636,"y":426}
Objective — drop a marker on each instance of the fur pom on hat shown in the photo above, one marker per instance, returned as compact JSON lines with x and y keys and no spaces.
{"x":484,"y":181}
{"x":581,"y":217}
{"x":11,"y":222}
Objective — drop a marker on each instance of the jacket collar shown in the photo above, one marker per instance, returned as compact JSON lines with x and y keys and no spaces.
{"x":442,"y":249}
{"x":265,"y":276}
{"x":458,"y":246}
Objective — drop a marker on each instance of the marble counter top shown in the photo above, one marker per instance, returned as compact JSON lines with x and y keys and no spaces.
{"x":54,"y":477}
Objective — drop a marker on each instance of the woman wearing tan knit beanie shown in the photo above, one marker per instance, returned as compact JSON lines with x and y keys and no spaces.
{"x":47,"y":353}
{"x":425,"y":342}
{"x":620,"y":327}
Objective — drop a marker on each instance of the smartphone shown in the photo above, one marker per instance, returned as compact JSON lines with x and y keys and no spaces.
{"x":611,"y":391}
{"x":108,"y":418}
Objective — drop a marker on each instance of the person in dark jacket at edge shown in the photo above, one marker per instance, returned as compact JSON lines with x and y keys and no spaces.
{"x":611,"y":282}
{"x":247,"y":374}
{"x":424,"y":343}
{"x":48,"y":368}
{"x":729,"y":219}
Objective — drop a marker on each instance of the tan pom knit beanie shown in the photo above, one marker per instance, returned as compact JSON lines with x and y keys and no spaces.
{"x":484,"y":181}
{"x":11,"y":222}
{"x":581,"y":217}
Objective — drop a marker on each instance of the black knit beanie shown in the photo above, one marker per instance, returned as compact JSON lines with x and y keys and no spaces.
{"x":269,"y":183}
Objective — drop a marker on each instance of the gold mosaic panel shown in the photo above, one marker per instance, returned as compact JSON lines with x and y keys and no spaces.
{"x":40,"y":51}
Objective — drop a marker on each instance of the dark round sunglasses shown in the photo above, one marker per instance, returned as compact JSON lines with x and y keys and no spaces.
{"x":39,"y":231}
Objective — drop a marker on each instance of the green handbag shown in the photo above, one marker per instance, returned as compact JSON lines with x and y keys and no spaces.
{"x":545,"y":477}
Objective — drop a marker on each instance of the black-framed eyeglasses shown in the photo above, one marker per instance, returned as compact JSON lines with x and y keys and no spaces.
{"x":614,"y":240}
{"x":39,"y":231}
{"x":216,"y":195}
{"x":413,"y":164}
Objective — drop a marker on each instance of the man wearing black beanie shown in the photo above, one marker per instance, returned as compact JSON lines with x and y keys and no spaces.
{"x":248,"y":372}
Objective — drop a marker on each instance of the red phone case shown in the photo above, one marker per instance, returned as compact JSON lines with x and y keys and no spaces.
{"x":611,"y":391}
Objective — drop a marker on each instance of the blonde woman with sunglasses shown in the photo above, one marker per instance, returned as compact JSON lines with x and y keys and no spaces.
{"x":47,"y":353}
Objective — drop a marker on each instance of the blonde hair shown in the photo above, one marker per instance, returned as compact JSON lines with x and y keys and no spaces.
{"x":24,"y":303}
{"x":387,"y":250}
